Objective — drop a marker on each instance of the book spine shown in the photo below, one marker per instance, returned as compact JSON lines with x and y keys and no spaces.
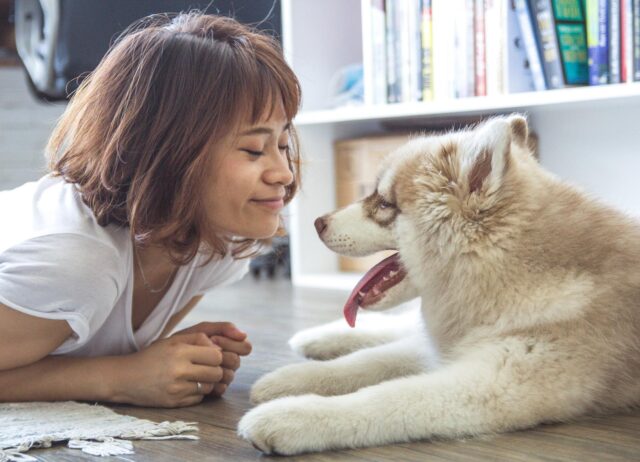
{"x":404,"y":49}
{"x":480,"y":62}
{"x":378,"y":38}
{"x":597,"y":41}
{"x":529,"y":40}
{"x":470,"y":47}
{"x":393,"y":94}
{"x":571,"y":31}
{"x":427,"y":51}
{"x":636,"y":40}
{"x":548,"y":43}
{"x":517,"y":71}
{"x":614,"y":41}
{"x":626,"y":37}
{"x":415,"y":58}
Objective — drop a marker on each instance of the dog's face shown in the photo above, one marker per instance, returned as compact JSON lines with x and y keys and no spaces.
{"x":437,"y":198}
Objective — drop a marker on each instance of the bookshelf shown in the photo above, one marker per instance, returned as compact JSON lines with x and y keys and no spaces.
{"x":588,"y":135}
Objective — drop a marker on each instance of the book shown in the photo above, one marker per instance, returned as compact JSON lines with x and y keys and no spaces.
{"x":614,"y":41}
{"x":547,"y":40}
{"x":626,"y":40}
{"x":636,"y":40}
{"x":444,"y":70}
{"x":527,"y":35}
{"x":597,"y":41}
{"x":570,"y":25}
{"x":480,"y":58}
{"x":518,"y":75}
{"x":392,"y":51}
{"x":374,"y":52}
{"x":426,"y":37}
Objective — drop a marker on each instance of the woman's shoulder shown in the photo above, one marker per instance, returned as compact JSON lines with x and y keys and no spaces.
{"x":54,"y":208}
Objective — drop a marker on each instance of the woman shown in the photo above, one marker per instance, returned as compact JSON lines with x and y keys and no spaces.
{"x":168,"y":168}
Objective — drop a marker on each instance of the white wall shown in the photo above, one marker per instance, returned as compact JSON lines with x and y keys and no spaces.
{"x":596,"y":147}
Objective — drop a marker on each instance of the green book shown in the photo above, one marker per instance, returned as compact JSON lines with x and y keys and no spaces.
{"x":571,"y":30}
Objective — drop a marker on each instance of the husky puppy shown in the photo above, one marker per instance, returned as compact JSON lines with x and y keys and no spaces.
{"x":530,"y":299}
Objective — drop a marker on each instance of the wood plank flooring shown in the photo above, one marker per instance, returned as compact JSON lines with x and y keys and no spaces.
{"x":270,"y":312}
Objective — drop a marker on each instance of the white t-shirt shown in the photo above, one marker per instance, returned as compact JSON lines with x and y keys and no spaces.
{"x":57,"y":262}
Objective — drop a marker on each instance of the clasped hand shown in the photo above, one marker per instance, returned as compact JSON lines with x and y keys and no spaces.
{"x":169,"y":370}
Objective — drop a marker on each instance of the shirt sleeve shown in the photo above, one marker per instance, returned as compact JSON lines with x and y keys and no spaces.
{"x":63,"y":276}
{"x":219,"y":273}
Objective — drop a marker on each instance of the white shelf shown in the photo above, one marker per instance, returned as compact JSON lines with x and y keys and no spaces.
{"x":568,"y":97}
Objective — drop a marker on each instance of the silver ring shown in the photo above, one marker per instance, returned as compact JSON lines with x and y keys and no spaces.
{"x":199,"y":385}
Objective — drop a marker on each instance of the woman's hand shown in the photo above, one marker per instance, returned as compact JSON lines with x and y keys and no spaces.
{"x":167,"y":373}
{"x":233,"y":343}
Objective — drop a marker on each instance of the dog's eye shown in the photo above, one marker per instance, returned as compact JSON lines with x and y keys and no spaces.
{"x":385,"y":205}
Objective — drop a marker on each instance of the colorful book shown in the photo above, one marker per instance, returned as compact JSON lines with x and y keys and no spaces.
{"x":614,"y":41}
{"x":527,"y":33}
{"x":626,"y":40}
{"x":393,"y":53}
{"x":571,"y":32}
{"x":597,"y":41}
{"x":548,"y":43}
{"x":636,"y":40}
{"x":426,"y":36}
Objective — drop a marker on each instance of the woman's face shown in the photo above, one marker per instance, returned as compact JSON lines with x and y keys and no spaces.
{"x":250,"y":172}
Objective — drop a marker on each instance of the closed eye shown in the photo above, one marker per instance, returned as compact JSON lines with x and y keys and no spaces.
{"x":260,"y":153}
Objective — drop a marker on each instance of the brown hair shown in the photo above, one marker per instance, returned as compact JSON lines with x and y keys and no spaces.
{"x":133,"y":139}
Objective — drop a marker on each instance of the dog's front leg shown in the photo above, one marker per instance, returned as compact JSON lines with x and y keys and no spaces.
{"x":492,"y":392}
{"x":347,"y":373}
{"x":335,"y":339}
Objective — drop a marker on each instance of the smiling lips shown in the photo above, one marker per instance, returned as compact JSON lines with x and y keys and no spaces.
{"x":272,"y":203}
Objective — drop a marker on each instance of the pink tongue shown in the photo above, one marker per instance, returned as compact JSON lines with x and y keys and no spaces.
{"x":353,"y":302}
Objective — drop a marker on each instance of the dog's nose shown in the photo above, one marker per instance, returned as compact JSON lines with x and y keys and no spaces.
{"x":320,"y":224}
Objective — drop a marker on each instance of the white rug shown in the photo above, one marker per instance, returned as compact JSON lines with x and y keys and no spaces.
{"x":95,"y":429}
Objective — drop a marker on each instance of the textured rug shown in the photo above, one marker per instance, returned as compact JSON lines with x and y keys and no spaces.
{"x":94,"y":429}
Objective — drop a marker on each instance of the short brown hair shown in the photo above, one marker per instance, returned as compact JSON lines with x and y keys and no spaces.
{"x":134,"y":135}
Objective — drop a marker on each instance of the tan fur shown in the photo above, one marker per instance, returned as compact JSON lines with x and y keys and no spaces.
{"x":530,"y":295}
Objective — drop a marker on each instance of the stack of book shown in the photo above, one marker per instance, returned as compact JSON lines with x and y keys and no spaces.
{"x":424,"y":50}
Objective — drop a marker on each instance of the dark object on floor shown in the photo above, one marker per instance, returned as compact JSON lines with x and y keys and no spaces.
{"x":61,"y":40}
{"x":275,"y":260}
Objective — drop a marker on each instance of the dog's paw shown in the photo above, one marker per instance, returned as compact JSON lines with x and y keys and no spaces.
{"x":289,"y":426}
{"x":291,"y":380}
{"x":330,"y":341}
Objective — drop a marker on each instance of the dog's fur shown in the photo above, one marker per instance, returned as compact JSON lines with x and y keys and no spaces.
{"x":530,"y":296}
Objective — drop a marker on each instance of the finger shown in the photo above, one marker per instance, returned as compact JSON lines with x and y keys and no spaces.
{"x":204,"y":389}
{"x":190,"y":400}
{"x":242,"y":348}
{"x":194,"y":338}
{"x":219,"y":389}
{"x":204,"y":374}
{"x":230,"y":360}
{"x":227,"y":376}
{"x":227,"y":329}
{"x":203,"y":355}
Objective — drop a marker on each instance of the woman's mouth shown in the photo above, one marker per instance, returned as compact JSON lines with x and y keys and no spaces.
{"x":274,"y":203}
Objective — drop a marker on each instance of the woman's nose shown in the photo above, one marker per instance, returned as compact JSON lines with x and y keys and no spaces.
{"x":279,"y":171}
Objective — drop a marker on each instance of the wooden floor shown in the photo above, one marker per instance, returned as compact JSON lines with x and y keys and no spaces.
{"x":271,"y":311}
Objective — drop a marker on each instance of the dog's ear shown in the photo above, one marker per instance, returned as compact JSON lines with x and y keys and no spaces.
{"x":491,"y":151}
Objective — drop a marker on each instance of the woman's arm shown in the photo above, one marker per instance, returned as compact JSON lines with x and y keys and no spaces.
{"x":165,"y":374}
{"x":25,"y":339}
